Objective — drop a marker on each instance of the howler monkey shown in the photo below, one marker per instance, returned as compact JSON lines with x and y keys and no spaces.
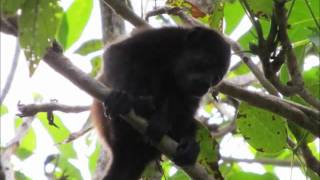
{"x":161,"y":74}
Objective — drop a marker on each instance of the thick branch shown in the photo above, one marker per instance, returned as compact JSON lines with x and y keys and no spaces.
{"x":127,"y":14}
{"x":310,"y":160}
{"x":273,"y":104}
{"x":292,"y":63}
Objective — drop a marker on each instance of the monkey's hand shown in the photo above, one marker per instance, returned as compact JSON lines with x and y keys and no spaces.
{"x":186,"y":152}
{"x":118,"y":102}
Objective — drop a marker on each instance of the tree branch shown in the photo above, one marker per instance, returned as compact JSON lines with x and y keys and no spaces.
{"x":11,"y":73}
{"x":273,"y":104}
{"x":275,"y":162}
{"x":126,"y":13}
{"x":11,"y":147}
{"x":292,"y":64}
{"x":33,"y":109}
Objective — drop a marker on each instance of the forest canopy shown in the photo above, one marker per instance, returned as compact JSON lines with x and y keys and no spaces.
{"x":265,"y":113}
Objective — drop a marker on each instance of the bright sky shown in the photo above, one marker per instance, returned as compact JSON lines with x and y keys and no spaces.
{"x":53,"y":86}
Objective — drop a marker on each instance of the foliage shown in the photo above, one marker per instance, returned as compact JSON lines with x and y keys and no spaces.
{"x":42,"y":22}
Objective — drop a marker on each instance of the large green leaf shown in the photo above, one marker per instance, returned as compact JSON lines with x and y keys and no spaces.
{"x":233,"y":13}
{"x":38,"y":24}
{"x":58,"y":135}
{"x":28,"y":142}
{"x":261,"y":7}
{"x":300,"y":20}
{"x":264,"y":131}
{"x":73,"y":22}
{"x":10,"y":6}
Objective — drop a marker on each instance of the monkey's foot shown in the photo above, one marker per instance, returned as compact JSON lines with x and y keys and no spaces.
{"x":118,"y":102}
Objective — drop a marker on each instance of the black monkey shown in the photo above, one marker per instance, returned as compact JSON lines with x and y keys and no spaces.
{"x":161,"y":74}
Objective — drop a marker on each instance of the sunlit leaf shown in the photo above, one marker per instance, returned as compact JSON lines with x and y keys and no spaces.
{"x":74,"y":22}
{"x":38,"y":24}
{"x":28,"y":143}
{"x":10,"y":6}
{"x":264,"y":131}
{"x":89,"y":47}
{"x":252,"y":176}
{"x":58,"y":134}
{"x":3,"y":110}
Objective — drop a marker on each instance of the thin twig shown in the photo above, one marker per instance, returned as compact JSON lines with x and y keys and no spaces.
{"x":12,"y":72}
{"x":33,"y":109}
{"x":274,"y":162}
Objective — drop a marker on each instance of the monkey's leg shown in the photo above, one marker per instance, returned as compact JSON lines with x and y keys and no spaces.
{"x":129,"y":160}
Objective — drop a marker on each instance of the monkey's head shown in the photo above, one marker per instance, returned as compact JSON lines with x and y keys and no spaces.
{"x":204,"y":61}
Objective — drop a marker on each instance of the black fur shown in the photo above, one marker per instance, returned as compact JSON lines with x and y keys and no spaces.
{"x":161,"y":74}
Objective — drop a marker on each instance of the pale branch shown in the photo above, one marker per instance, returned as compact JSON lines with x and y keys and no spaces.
{"x":112,"y":24}
{"x":120,"y":8}
{"x":11,"y":147}
{"x":273,"y":104}
{"x":255,"y":70}
{"x":275,"y":162}
{"x":86,"y":127}
{"x":222,"y":131}
{"x":292,"y":63}
{"x":186,"y":19}
{"x":33,"y":109}
{"x":11,"y":74}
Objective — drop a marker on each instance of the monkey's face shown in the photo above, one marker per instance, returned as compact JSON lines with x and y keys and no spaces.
{"x":197,"y":72}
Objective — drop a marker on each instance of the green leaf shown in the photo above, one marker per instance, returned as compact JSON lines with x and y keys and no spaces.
{"x":10,"y":6}
{"x":315,"y":38}
{"x":58,"y":134}
{"x":233,"y":13}
{"x":89,"y":47}
{"x":74,"y":22}
{"x":38,"y":24}
{"x":264,"y":131}
{"x":300,"y":19}
{"x":20,"y":176}
{"x":208,"y":146}
{"x":28,"y":143}
{"x":209,"y":150}
{"x":252,"y":176}
{"x":3,"y":110}
{"x":261,"y":7}
{"x":93,"y":158}
{"x":96,"y":63}
{"x":312,"y":81}
{"x":179,"y":175}
{"x":216,"y":17}
{"x":67,"y":169}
